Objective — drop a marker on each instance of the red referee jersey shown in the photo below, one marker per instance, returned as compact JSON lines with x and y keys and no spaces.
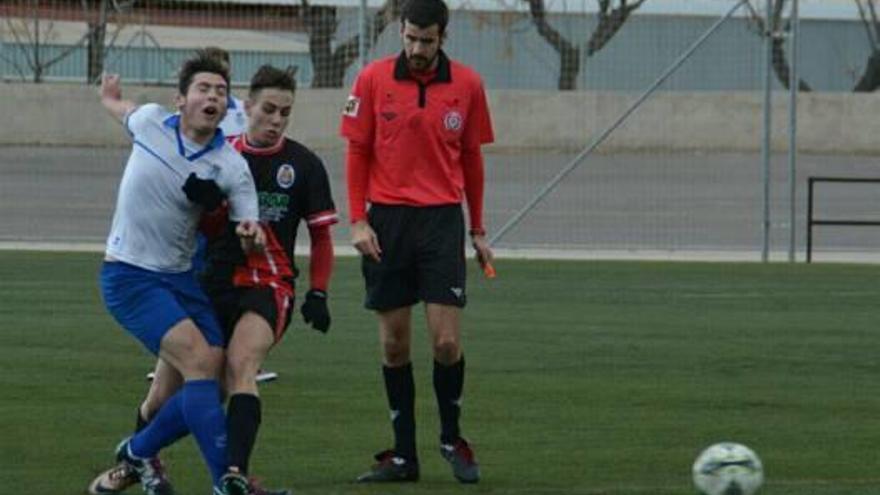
{"x":416,"y":131}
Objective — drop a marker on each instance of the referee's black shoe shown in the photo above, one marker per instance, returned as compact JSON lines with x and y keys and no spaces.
{"x":391,"y":467}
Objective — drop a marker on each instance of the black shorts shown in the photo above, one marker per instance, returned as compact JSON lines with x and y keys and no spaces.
{"x":231,"y":303}
{"x":422,"y":257}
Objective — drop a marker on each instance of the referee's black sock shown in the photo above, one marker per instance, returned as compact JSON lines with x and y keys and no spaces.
{"x":243,"y":419}
{"x":448,"y":384}
{"x":401,"y":391}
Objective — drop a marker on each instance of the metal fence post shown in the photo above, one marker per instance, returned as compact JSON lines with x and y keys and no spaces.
{"x":793,"y":87}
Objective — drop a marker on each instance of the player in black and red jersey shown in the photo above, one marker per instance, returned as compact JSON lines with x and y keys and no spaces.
{"x":253,"y":295}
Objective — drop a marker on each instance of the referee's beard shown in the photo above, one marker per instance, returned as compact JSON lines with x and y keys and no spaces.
{"x":420,"y":64}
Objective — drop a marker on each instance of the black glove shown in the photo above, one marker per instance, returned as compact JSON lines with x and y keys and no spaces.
{"x":204,"y":192}
{"x":315,"y":310}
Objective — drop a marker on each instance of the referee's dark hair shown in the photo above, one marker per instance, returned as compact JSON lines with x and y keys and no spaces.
{"x":201,"y":62}
{"x":269,"y":76}
{"x":425,"y":13}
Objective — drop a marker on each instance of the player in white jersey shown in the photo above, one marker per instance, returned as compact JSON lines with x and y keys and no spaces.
{"x":235,"y":123}
{"x":180,"y":166}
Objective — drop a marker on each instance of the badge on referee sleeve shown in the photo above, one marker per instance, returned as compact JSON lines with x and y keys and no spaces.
{"x":352,"y":106}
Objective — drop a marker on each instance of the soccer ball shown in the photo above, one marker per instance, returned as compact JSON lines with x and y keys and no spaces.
{"x":728,"y":468}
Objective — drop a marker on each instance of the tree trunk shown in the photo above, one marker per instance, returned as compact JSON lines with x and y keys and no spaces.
{"x":321,"y":22}
{"x":96,"y":36}
{"x":779,"y":57}
{"x":870,"y":79}
{"x":570,"y":67}
{"x":782,"y":69}
{"x":329,"y":65}
{"x":569,"y":54}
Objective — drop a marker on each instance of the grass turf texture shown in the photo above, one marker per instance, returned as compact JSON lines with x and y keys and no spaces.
{"x":582,"y":378}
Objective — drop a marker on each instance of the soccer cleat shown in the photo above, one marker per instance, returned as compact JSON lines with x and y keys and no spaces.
{"x":460,"y":456}
{"x":114,"y":480}
{"x":258,"y":489}
{"x":264,"y":376}
{"x":150,"y":471}
{"x":237,"y":484}
{"x":391,"y":467}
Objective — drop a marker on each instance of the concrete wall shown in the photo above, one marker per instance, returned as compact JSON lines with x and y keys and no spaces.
{"x":60,"y":114}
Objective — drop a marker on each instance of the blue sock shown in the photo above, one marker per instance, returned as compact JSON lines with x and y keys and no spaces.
{"x":166,"y":428}
{"x":207,"y":422}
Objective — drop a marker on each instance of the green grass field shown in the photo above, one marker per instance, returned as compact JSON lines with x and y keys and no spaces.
{"x":583,"y":378}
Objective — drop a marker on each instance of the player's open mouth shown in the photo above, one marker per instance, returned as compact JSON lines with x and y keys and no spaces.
{"x":211,"y":111}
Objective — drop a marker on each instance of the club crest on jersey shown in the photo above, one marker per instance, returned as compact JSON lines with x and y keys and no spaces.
{"x":285,"y":175}
{"x":452,"y":120}
{"x":352,"y":106}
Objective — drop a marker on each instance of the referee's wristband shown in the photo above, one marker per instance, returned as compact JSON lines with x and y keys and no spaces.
{"x":476,"y":232}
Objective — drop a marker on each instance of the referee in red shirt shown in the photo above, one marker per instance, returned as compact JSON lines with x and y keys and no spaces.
{"x":414,"y":124}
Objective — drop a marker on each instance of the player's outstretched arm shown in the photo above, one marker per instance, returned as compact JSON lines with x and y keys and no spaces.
{"x":111,"y":97}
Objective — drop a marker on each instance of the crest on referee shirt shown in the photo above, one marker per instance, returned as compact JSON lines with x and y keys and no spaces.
{"x":452,"y":120}
{"x":285,"y":175}
{"x":352,"y":106}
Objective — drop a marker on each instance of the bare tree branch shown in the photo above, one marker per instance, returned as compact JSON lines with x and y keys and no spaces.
{"x":870,"y":78}
{"x":871,"y":39}
{"x":67,"y":51}
{"x":610,"y":23}
{"x":22,"y":46}
{"x":15,"y":66}
{"x":328,"y":63}
{"x":777,"y":31}
{"x":569,"y":53}
{"x":874,"y":20}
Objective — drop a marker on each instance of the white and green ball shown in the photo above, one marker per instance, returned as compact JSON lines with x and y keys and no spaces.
{"x":728,"y":468}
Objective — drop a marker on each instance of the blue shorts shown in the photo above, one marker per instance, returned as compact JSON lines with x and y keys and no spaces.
{"x":147,"y":303}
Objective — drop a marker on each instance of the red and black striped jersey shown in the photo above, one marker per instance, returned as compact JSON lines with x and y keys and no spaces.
{"x":292,"y":187}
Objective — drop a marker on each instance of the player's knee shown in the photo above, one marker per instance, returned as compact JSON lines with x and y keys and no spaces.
{"x":396,"y":354}
{"x":204,"y":362}
{"x":241,"y":366}
{"x":447,"y":351}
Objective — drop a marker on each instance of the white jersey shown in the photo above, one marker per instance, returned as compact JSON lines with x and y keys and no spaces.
{"x":154,"y":225}
{"x":235,"y":122}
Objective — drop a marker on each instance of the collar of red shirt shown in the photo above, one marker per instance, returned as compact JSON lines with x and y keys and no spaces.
{"x":401,"y":69}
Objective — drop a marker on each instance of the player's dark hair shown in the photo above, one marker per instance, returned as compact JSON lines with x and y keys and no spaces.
{"x":269,"y":76}
{"x":425,"y":13}
{"x":201,"y":62}
{"x":217,"y":52}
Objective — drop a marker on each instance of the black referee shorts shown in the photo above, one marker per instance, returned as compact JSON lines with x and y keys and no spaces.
{"x":422,"y":256}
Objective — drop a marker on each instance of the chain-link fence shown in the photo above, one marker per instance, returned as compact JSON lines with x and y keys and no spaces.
{"x":682,"y":174}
